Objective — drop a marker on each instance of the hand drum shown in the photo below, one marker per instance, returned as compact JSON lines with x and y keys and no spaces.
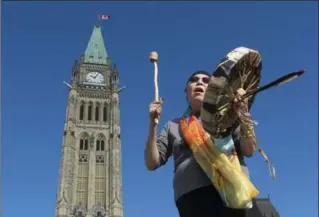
{"x":241,"y":68}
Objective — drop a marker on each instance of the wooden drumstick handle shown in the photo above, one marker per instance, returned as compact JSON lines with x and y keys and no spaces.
{"x":154,"y":58}
{"x":155,"y":81}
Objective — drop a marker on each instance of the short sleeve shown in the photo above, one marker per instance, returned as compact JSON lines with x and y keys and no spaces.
{"x":163,"y":145}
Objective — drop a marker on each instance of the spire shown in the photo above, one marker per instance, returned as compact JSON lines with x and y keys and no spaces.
{"x":95,"y":51}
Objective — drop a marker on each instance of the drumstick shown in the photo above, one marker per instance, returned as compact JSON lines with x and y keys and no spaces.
{"x":279,"y":81}
{"x":154,"y":58}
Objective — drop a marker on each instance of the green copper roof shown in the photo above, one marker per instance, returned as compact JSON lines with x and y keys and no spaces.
{"x":95,"y":51}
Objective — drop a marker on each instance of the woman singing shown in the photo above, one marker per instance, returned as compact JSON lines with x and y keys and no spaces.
{"x":195,"y":196}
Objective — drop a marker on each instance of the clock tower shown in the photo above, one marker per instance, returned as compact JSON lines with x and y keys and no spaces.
{"x":90,"y":181}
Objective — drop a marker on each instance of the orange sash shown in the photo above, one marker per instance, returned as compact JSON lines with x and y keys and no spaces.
{"x":224,"y":171}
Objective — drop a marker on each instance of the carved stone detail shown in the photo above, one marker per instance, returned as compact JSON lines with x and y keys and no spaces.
{"x":79,"y":211}
{"x":71,"y":125}
{"x":94,"y":95}
{"x":91,"y":140}
{"x":118,"y":197}
{"x":63,"y":199}
{"x":72,"y":99}
{"x":95,"y":67}
{"x":99,"y":211}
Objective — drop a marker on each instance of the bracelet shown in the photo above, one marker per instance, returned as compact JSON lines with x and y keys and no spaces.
{"x":247,"y":130}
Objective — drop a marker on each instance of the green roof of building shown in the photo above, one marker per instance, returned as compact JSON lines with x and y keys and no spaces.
{"x":95,"y":51}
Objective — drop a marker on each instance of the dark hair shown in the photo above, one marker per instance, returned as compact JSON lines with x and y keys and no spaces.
{"x":200,"y":72}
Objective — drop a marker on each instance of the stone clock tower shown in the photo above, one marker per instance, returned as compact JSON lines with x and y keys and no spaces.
{"x":90,"y":181}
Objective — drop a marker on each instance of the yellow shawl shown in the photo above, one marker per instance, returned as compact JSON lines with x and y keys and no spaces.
{"x":224,"y":171}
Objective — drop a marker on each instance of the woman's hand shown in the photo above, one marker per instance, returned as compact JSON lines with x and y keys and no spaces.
{"x":155,"y":109}
{"x":248,"y":139}
{"x":241,"y":104}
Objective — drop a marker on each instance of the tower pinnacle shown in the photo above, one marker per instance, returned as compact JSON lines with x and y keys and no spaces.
{"x":95,"y":52}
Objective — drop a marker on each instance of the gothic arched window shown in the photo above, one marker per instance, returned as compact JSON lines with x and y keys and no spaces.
{"x":97,"y":112}
{"x":82,"y":173}
{"x":100,"y":145}
{"x":81,"y":144}
{"x":84,"y":142}
{"x":90,"y":111}
{"x":105,"y":112}
{"x":82,"y":111}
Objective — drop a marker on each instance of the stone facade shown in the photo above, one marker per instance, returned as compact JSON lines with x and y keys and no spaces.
{"x":90,"y":180}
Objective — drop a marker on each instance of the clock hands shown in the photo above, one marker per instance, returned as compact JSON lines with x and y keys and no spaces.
{"x":96,"y":75}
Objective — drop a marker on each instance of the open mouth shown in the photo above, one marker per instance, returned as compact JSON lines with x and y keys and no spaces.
{"x":199,"y":90}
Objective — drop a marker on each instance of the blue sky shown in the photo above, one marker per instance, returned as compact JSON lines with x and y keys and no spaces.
{"x":41,"y":40}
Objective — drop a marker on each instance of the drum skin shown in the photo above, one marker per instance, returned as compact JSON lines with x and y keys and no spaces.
{"x":240,"y":68}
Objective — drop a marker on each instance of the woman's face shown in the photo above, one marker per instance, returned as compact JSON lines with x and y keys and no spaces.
{"x":196,"y":89}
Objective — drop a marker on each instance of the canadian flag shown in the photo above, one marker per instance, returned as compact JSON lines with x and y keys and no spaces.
{"x":104,"y":17}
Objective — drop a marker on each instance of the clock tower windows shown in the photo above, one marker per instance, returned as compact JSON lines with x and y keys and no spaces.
{"x":81,"y":111}
{"x":100,"y":145}
{"x":93,"y":112}
{"x":84,"y":143}
{"x":105,"y":112}
{"x":83,"y":170}
{"x":90,"y":111}
{"x":100,"y":170}
{"x":97,"y":112}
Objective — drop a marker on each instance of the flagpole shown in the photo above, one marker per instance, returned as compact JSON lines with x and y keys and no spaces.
{"x":103,"y":17}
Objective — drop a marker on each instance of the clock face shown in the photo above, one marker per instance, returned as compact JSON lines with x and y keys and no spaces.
{"x":94,"y":77}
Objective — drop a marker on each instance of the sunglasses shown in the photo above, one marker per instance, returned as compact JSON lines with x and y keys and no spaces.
{"x":194,"y":79}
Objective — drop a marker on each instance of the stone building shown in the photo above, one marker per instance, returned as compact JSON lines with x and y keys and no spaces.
{"x":90,"y":181}
{"x":263,"y":208}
